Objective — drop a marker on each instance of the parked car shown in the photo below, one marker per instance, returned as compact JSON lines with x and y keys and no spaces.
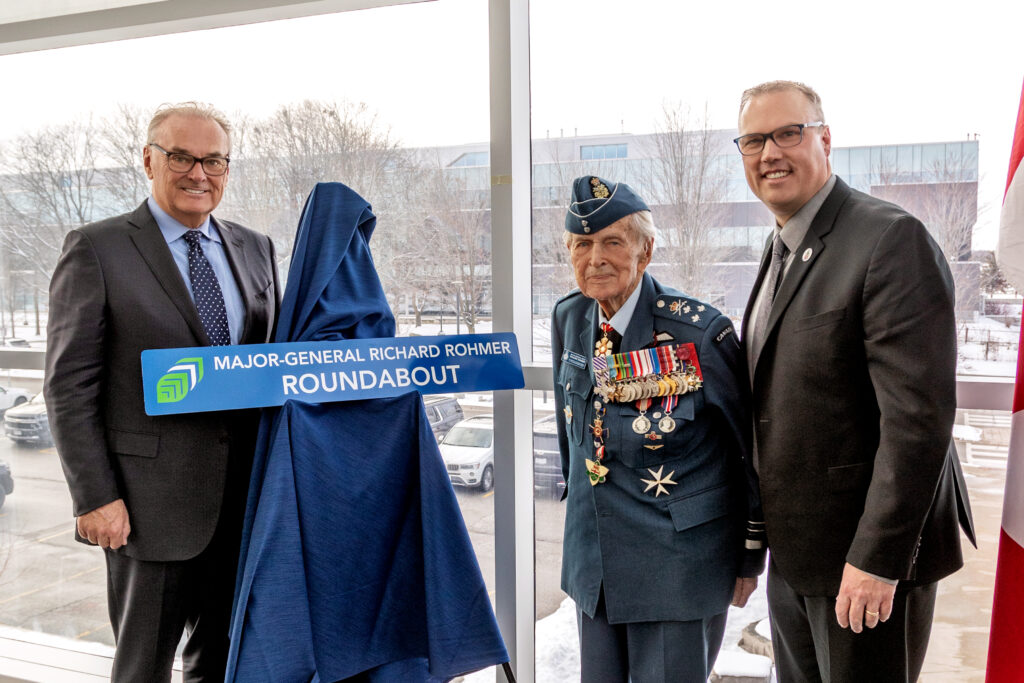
{"x":12,"y":396}
{"x":468,"y":452}
{"x":443,"y":411}
{"x":547,"y":461}
{"x":27,"y":423}
{"x":6,"y":482}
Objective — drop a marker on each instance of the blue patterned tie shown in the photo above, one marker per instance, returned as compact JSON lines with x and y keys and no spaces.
{"x":206,"y":292}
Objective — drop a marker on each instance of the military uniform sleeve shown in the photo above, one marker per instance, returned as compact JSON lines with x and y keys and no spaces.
{"x":556,"y":364}
{"x":910,"y":349}
{"x":73,"y":384}
{"x":727,"y":390}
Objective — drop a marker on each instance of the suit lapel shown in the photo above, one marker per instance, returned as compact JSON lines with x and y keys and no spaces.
{"x":804,"y":258}
{"x":154,"y":251}
{"x":234,"y":247}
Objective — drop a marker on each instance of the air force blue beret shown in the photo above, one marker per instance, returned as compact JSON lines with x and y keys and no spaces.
{"x":597,"y":203}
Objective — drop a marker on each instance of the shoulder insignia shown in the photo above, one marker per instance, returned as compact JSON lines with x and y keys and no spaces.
{"x":684,"y":309}
{"x":724,"y":333}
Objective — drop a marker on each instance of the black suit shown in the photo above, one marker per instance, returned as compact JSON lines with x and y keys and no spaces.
{"x":854,"y":397}
{"x":116,"y":291}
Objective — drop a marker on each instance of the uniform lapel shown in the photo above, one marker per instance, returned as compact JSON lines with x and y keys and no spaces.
{"x":804,"y":258}
{"x":154,"y":251}
{"x":640,"y":330}
{"x":588,"y":331}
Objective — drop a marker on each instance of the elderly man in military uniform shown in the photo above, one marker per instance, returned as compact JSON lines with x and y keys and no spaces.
{"x":663,"y":524}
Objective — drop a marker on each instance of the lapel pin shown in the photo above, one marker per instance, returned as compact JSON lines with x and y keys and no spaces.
{"x":807,"y":254}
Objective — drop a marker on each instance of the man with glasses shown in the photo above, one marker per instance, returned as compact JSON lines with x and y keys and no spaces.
{"x":163,"y":496}
{"x":850,"y":341}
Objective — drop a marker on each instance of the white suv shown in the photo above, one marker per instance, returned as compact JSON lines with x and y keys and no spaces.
{"x":468,"y":452}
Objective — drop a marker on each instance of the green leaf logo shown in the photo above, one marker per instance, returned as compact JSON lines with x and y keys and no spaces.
{"x":180,"y":379}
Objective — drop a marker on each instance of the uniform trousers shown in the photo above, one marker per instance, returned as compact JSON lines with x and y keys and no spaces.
{"x":647,"y":652}
{"x":811,"y":647}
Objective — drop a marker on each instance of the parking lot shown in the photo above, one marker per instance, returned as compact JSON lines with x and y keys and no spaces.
{"x":51,"y":583}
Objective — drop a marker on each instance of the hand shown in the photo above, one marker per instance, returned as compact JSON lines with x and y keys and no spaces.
{"x":744,"y":587}
{"x":863,"y":600}
{"x":107,"y":526}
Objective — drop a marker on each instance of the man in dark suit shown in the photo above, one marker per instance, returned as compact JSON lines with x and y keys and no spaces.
{"x":851,"y":345}
{"x":163,"y":496}
{"x":652,"y":409}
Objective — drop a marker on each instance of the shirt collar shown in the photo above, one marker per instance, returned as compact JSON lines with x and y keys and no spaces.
{"x":172,"y":229}
{"x":796,"y":228}
{"x":620,"y":321}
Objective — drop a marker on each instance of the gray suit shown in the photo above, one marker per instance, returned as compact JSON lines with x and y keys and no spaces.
{"x":116,"y":291}
{"x":854,"y":397}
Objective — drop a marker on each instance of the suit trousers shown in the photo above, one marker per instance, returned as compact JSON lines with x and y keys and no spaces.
{"x":811,"y":647}
{"x":647,"y":652}
{"x":151,"y":603}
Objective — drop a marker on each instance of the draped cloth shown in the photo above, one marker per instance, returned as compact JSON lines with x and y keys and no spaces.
{"x":355,"y":563}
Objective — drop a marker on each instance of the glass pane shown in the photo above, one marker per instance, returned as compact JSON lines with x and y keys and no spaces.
{"x":425,"y":173}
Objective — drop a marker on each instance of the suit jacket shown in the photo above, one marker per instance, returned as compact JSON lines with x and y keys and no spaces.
{"x":671,"y":557}
{"x":116,"y":291}
{"x":854,"y":396}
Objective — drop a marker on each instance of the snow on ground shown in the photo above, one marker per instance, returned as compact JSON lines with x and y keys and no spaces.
{"x":558,"y":647}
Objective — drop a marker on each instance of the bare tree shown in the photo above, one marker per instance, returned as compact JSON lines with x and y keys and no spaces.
{"x":50,"y":184}
{"x":688,"y":185}
{"x":944,"y":196}
{"x":121,"y":138}
{"x":456,"y":231}
{"x":282,"y":157}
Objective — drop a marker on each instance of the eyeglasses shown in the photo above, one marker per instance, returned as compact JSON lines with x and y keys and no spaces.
{"x":179,"y":162}
{"x":787,"y":136}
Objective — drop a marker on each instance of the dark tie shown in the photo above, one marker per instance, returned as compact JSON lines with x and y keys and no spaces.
{"x":206,"y":292}
{"x":770,"y":286}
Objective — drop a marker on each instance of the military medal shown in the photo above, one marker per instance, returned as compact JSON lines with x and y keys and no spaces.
{"x":597,"y":472}
{"x":604,"y":388}
{"x":641,"y":425}
{"x":659,"y":481}
{"x":666,"y":424}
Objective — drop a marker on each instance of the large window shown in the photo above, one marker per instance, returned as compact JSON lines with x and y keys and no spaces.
{"x":402,"y":115}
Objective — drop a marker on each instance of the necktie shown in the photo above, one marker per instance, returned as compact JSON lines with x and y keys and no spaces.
{"x":206,"y":292}
{"x":771,"y":286}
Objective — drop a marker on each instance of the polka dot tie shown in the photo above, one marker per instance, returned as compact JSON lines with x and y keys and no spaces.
{"x":206,"y":292}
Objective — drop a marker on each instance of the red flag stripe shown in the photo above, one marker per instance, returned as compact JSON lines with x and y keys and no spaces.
{"x":1017,"y":150}
{"x":1007,"y":633}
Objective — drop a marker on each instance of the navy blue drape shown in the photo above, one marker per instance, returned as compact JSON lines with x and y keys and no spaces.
{"x":356,"y":563}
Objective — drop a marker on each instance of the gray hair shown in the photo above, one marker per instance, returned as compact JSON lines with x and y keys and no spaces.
{"x":196,"y":109}
{"x":781,"y":86}
{"x":640,"y":225}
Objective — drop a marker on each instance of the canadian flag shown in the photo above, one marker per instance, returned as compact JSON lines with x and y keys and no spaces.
{"x":1007,"y":633}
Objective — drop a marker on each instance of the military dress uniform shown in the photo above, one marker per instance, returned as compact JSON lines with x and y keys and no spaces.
{"x":662,"y":510}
